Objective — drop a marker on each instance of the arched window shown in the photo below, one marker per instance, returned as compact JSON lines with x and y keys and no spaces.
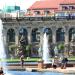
{"x":35,"y":35}
{"x":71,"y":34}
{"x":23,"y":35}
{"x":60,"y":35}
{"x":48,"y":31}
{"x":11,"y":35}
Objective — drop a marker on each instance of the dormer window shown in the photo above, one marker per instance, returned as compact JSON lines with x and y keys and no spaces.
{"x":64,"y":8}
{"x":71,"y":7}
{"x":37,"y":12}
{"x":47,"y":12}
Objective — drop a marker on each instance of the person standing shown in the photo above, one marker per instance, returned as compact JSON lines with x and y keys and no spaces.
{"x":1,"y":71}
{"x":22,"y":60}
{"x":55,"y":62}
{"x":64,"y":62}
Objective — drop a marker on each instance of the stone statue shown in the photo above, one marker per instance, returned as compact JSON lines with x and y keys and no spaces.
{"x":22,"y":41}
{"x":22,"y":45}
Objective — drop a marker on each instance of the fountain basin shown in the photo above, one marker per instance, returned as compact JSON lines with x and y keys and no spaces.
{"x":54,"y":72}
{"x":31,"y":73}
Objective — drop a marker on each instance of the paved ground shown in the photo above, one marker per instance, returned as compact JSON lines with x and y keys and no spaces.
{"x":68,"y":70}
{"x":29,"y":68}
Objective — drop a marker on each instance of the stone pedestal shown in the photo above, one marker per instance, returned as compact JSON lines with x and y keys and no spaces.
{"x":40,"y":64}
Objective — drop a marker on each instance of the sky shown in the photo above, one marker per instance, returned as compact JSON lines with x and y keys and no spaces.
{"x":24,"y":4}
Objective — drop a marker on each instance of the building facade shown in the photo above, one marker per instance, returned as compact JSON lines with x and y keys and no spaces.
{"x":57,"y":21}
{"x":33,"y":31}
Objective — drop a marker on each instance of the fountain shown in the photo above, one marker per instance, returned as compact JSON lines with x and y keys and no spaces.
{"x":56,"y":51}
{"x":3,"y":57}
{"x":2,"y":51}
{"x":45,"y":49}
{"x":40,"y":51}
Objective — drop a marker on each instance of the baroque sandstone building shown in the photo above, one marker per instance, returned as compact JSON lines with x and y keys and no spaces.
{"x":55,"y":17}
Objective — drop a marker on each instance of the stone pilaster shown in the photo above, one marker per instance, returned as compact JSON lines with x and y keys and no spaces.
{"x":66,"y":35}
{"x":54,"y":35}
{"x":16,"y":36}
{"x":29,"y":35}
{"x":5,"y":36}
{"x":41,"y":36}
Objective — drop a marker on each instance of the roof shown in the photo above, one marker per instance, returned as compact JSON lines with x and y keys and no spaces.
{"x":68,"y":2}
{"x":49,"y":4}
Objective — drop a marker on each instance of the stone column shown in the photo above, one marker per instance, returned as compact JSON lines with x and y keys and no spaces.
{"x":54,"y":35}
{"x":41,"y":42}
{"x":29,"y":34}
{"x":66,"y":35}
{"x":16,"y":36}
{"x":5,"y":41}
{"x":41,"y":36}
{"x":66,"y":41}
{"x":5,"y":36}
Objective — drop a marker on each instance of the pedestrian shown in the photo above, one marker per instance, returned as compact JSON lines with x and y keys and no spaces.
{"x":22,"y":60}
{"x":1,"y":71}
{"x":55,"y":62}
{"x":64,"y":62}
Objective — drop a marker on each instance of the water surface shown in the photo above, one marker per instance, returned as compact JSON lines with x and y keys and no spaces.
{"x":31,"y":73}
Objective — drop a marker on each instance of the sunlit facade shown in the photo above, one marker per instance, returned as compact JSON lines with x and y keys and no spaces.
{"x":57,"y":20}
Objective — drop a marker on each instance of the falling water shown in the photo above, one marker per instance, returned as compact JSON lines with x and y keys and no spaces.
{"x":40,"y":51}
{"x":56,"y":50}
{"x":2,"y":51}
{"x":45,"y":49}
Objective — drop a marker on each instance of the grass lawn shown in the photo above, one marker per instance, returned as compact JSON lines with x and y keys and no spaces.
{"x":72,"y":58}
{"x":31,"y":59}
{"x":25,"y":59}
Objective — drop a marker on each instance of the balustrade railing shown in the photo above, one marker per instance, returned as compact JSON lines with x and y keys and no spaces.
{"x":36,"y":18}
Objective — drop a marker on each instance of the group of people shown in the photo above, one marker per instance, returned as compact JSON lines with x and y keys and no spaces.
{"x":56,"y":62}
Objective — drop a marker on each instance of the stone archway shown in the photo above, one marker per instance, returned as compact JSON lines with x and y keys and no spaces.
{"x":60,"y":39}
{"x":48,"y":31}
{"x":11,"y":42}
{"x":60,"y":35}
{"x":35,"y":35}
{"x":23,"y":34}
{"x":72,"y":41}
{"x":11,"y":36}
{"x":35,"y":38}
{"x":23,"y":42}
{"x":71,"y":34}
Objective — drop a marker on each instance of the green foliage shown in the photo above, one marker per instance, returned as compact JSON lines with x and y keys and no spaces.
{"x":12,"y":49}
{"x":61,"y":46}
{"x":28,"y":49}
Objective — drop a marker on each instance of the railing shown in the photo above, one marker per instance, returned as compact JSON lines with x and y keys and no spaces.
{"x":36,"y":18}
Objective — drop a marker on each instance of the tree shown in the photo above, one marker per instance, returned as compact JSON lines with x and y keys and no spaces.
{"x":28,"y":49}
{"x":12,"y":50}
{"x":61,"y":47}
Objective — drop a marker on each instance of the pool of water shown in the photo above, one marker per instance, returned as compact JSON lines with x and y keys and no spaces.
{"x":31,"y":73}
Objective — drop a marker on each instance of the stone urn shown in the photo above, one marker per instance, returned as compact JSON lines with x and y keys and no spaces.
{"x":40,"y":64}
